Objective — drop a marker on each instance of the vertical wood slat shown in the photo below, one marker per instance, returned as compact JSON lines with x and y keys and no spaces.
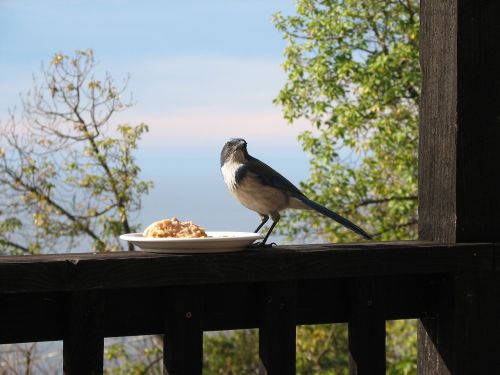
{"x":366,"y":328}
{"x":183,"y":340}
{"x":478,"y":121}
{"x":437,"y":165}
{"x":475,"y":317}
{"x":83,"y":343}
{"x":438,"y":117}
{"x":277,"y":329}
{"x":435,"y":334}
{"x":462,"y":338}
{"x":459,"y":121}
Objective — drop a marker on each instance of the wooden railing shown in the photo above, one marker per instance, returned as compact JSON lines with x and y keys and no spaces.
{"x":83,"y":298}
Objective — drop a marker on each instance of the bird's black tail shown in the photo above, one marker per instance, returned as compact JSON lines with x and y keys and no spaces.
{"x":334,"y":216}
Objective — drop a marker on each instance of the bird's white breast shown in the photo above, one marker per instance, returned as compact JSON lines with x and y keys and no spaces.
{"x":229,"y":174}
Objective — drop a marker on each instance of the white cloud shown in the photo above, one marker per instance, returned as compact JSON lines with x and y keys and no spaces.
{"x":211,"y":98}
{"x":201,"y":80}
{"x":211,"y":124}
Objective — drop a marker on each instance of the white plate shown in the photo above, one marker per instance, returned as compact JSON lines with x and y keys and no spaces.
{"x":216,"y":242}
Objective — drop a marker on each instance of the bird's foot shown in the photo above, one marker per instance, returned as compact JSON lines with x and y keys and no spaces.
{"x":260,"y":245}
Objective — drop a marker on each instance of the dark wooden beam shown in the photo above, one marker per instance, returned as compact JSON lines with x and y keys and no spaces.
{"x":367,"y":328}
{"x":31,"y":317}
{"x":478,"y":121}
{"x":459,"y":121}
{"x":459,"y":179}
{"x":183,"y":340}
{"x":438,"y":119}
{"x":139,"y":269}
{"x":85,"y":297}
{"x":83,"y":345}
{"x":277,"y":328}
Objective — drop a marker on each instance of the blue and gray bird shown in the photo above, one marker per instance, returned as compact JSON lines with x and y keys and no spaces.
{"x":261,"y":189}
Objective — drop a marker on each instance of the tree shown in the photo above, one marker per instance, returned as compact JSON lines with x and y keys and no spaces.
{"x":231,"y":353}
{"x":139,"y":355}
{"x":353,"y":72}
{"x":321,"y":349}
{"x":67,"y":174}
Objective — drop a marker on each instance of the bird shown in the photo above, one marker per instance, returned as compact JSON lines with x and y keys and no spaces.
{"x":260,"y":188}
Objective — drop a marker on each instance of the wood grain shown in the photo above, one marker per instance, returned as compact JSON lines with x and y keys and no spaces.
{"x":82,"y":298}
{"x":459,"y":179}
{"x":138,"y":311}
{"x":437,"y":171}
{"x":83,"y":344}
{"x":135,"y":270}
{"x":367,"y":328}
{"x":183,"y":340}
{"x":278,"y":307}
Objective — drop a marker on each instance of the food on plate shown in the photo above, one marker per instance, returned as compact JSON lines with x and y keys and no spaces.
{"x":168,"y":228}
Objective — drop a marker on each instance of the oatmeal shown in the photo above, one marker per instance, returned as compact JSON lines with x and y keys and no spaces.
{"x":174,"y":228}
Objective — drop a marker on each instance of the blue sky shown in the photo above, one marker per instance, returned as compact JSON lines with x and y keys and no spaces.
{"x":201,"y":72}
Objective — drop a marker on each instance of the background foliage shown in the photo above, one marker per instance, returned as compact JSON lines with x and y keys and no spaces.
{"x":67,"y":174}
{"x":353,"y":72}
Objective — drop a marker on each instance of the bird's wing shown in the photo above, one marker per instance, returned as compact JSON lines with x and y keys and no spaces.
{"x":270,"y":177}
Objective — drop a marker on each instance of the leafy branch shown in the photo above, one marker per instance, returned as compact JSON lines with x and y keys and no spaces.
{"x":68,"y":171}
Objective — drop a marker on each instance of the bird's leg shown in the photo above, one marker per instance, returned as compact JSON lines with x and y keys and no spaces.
{"x":276,"y":218}
{"x":264,"y":219}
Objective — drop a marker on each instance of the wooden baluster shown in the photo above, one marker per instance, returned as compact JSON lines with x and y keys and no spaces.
{"x":83,"y":344}
{"x":183,"y":342}
{"x":277,"y":328}
{"x":366,"y":329}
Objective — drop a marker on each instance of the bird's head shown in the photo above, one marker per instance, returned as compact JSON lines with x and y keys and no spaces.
{"x":235,"y":150}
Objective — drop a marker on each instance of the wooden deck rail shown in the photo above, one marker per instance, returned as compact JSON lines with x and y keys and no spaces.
{"x":82,"y":298}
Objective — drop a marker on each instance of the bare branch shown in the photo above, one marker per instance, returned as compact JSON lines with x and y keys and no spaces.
{"x":367,"y":202}
{"x":7,"y":242}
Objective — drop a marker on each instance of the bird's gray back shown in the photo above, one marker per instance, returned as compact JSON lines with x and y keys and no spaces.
{"x":268,"y":176}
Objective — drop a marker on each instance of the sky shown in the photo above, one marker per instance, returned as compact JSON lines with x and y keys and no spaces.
{"x":201,"y":72}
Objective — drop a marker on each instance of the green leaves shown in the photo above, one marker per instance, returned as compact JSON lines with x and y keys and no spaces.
{"x":231,"y":353}
{"x":133,"y":356}
{"x":322,"y":349}
{"x":352,"y":71}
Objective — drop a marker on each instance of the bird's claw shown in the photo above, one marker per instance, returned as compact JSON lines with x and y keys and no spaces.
{"x":259,"y":245}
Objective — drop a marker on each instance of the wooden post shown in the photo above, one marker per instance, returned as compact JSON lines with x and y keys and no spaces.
{"x":183,"y":341}
{"x":366,"y":329}
{"x":277,"y":328}
{"x":459,"y":175}
{"x":83,"y":344}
